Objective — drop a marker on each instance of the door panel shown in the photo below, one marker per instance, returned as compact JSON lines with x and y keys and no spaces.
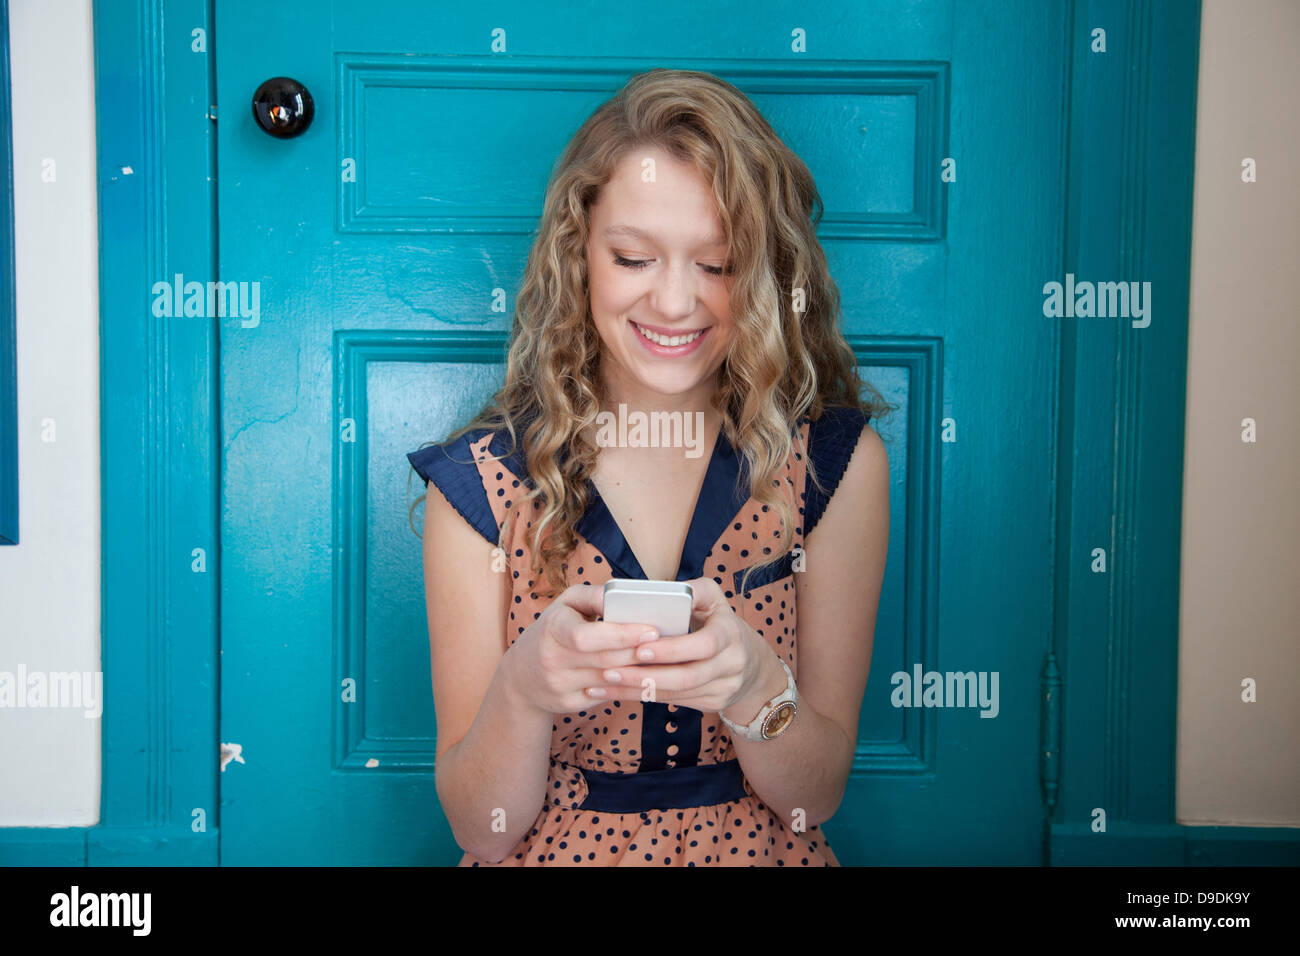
{"x":378,"y":332}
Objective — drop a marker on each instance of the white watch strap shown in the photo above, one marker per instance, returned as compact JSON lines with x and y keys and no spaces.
{"x":755,"y":729}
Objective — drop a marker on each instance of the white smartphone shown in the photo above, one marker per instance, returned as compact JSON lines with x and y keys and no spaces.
{"x":663,"y":605}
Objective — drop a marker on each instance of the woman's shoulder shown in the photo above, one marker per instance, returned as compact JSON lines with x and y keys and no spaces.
{"x":461,"y":468}
{"x":465,"y":452}
{"x":833,"y":434}
{"x":832,"y":438}
{"x":837,"y":420}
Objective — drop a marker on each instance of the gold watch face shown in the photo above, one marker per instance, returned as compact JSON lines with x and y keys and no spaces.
{"x":778,"y":720}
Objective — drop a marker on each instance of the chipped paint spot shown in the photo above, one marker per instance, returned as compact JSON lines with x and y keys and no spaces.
{"x":372,"y":762}
{"x":127,"y":171}
{"x":231,"y":752}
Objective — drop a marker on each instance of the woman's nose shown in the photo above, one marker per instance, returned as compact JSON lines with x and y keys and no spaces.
{"x":674,"y":295}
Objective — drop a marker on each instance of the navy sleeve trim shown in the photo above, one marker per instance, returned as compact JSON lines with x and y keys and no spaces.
{"x":451,"y":467}
{"x":831,"y":441}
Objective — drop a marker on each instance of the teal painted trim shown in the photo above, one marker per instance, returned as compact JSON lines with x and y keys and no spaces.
{"x":1128,"y":193}
{"x":152,"y":846}
{"x":43,"y":846}
{"x":107,"y":846}
{"x":915,"y":752}
{"x":353,"y":351}
{"x":1165,"y":844}
{"x":1049,"y":771}
{"x":159,"y":453}
{"x":928,"y":82}
{"x":8,"y":303}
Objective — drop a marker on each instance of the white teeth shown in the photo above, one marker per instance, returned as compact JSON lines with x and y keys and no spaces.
{"x":667,"y":340}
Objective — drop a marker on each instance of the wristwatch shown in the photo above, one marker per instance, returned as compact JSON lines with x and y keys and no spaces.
{"x":776,"y":715}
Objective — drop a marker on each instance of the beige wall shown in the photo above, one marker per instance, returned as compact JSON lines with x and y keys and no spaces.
{"x":1238,"y":762}
{"x":49,"y":581}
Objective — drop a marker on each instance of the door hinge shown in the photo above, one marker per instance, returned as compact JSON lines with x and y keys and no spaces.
{"x":1049,"y":769}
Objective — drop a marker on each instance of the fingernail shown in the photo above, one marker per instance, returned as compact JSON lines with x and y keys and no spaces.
{"x":649,"y":636}
{"x":645,"y":654}
{"x":612,"y":677}
{"x":596,"y":691}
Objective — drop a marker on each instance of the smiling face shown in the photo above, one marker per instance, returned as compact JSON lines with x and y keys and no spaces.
{"x":659,"y":297}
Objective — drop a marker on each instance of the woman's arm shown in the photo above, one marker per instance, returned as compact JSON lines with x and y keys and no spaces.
{"x":808,"y":766}
{"x":493,"y":747}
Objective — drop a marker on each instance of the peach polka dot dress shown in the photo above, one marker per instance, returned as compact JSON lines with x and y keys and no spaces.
{"x":649,"y":783}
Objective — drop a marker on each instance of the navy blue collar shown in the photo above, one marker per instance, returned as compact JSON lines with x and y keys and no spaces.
{"x":723,"y":494}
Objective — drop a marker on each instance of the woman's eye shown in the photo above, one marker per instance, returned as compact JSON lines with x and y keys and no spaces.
{"x":642,"y":263}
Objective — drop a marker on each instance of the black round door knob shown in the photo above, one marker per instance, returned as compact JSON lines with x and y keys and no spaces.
{"x":283,"y":107}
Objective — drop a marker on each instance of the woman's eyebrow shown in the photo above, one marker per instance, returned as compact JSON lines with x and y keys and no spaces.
{"x":634,"y":232}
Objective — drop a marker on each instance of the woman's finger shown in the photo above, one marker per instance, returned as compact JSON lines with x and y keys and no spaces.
{"x":707,"y":642}
{"x":705,"y":698}
{"x":674,"y":678}
{"x":573,"y":631}
{"x":586,"y":599}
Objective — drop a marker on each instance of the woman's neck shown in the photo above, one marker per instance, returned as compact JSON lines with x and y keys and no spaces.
{"x":694,"y":409}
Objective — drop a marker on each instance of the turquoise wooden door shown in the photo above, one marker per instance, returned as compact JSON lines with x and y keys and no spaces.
{"x":387,"y":242}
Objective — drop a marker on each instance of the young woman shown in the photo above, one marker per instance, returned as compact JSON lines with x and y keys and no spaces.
{"x":676,"y":270}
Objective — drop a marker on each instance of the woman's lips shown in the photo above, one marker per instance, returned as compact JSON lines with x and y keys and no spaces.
{"x":659,"y":348}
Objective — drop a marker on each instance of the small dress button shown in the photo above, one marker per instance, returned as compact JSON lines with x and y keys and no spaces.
{"x":672,"y":750}
{"x":671,"y":726}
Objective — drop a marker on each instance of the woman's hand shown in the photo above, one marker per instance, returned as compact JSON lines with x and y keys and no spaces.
{"x":723,"y":663}
{"x":563,"y":654}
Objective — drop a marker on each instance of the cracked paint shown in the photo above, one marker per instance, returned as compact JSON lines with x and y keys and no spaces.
{"x":297,"y":388}
{"x":230,"y":752}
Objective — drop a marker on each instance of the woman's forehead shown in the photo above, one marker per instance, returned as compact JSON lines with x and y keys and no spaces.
{"x":658,"y":203}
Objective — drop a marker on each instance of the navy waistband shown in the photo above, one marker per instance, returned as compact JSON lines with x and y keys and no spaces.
{"x":672,"y":789}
